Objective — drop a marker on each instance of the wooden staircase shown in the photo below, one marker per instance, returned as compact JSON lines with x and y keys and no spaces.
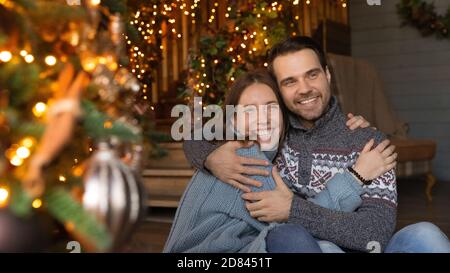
{"x":165,"y":179}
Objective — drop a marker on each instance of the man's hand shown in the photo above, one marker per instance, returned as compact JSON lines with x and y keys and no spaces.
{"x":270,"y":206}
{"x":355,"y":122}
{"x":230,"y":168}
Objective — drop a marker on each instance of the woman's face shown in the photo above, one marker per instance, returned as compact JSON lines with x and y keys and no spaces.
{"x":260,"y":109}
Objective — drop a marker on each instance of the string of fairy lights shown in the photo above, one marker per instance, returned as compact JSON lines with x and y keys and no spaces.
{"x":156,"y":22}
{"x":150,"y":28}
{"x":19,"y":152}
{"x":153,"y":23}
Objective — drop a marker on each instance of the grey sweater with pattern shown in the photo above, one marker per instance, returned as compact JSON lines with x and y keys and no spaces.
{"x":309,"y":158}
{"x":212,"y":216}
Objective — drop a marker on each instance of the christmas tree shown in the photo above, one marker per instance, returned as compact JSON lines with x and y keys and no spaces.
{"x":65,"y":87}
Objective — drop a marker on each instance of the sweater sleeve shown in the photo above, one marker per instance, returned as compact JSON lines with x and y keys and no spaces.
{"x":342,"y":193}
{"x":196,"y":152}
{"x":372,"y":223}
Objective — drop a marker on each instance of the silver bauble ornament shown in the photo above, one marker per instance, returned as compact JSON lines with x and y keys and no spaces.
{"x":113,"y":193}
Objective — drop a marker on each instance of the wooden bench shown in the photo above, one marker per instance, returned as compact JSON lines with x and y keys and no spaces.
{"x":414,"y":159}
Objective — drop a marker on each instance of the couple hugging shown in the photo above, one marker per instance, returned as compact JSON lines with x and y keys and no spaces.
{"x":313,"y":181}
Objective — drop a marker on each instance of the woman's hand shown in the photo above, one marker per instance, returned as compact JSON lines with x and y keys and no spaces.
{"x":232,"y":169}
{"x":372,"y":163}
{"x":355,"y":122}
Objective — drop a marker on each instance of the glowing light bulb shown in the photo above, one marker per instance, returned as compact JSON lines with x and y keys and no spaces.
{"x":27,"y":142}
{"x":4,"y":194}
{"x":5,"y":56}
{"x":16,"y":161}
{"x":37,"y":203}
{"x":23,"y":152}
{"x":29,"y":58}
{"x":95,"y":2}
{"x":50,"y":60}
{"x":39,"y":109}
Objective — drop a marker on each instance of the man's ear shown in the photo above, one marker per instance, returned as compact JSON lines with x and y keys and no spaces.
{"x":327,"y":72}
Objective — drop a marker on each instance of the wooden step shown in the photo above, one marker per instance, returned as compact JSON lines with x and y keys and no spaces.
{"x":165,"y":186}
{"x":168,"y":173}
{"x":166,"y":178}
{"x":174,"y":159}
{"x":163,"y":201}
{"x":172,"y":145}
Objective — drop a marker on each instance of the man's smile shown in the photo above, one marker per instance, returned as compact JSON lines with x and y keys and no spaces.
{"x":308,"y":101}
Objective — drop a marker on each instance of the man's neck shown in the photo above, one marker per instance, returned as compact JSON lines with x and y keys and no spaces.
{"x":309,"y":124}
{"x":299,"y":123}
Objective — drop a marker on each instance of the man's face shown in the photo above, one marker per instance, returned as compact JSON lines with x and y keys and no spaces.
{"x":304,"y":85}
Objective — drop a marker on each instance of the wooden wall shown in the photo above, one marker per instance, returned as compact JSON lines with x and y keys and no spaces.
{"x":415,"y":70}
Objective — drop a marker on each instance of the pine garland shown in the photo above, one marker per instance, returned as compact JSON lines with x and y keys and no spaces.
{"x":423,"y":16}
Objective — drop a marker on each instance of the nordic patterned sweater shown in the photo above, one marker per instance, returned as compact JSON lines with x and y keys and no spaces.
{"x":309,"y":159}
{"x":212,"y":216}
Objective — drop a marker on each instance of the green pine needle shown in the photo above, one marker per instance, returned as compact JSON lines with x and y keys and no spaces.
{"x":66,"y":209}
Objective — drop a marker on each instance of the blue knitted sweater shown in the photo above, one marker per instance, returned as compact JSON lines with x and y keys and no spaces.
{"x":212,"y":216}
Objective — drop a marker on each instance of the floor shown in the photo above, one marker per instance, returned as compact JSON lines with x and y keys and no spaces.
{"x":413,"y":207}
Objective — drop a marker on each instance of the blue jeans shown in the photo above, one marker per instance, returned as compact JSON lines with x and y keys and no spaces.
{"x":422,"y":237}
{"x":291,"y":238}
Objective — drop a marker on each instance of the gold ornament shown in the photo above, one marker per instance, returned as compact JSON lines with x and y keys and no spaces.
{"x":58,"y":130}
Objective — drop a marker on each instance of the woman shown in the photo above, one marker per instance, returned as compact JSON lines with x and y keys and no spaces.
{"x":212,"y":216}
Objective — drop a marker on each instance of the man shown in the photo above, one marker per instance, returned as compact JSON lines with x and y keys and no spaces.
{"x":318,"y":145}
